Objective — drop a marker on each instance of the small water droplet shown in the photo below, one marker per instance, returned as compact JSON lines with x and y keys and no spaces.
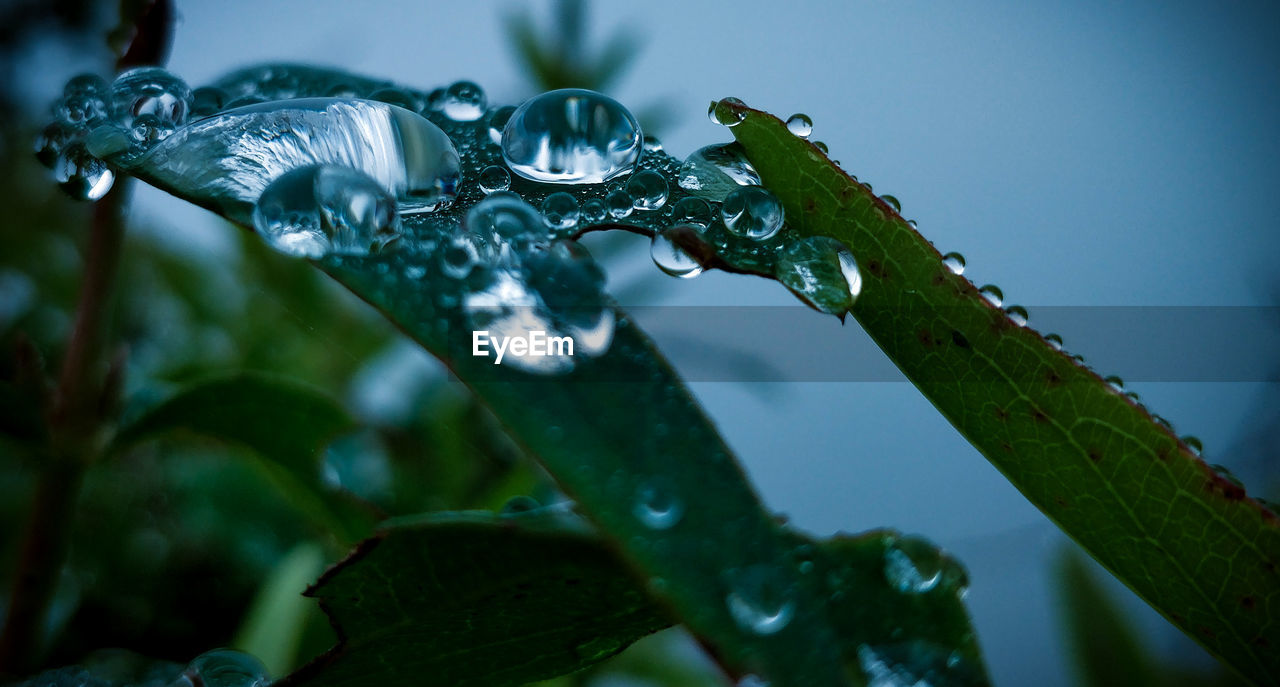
{"x":494,"y":178}
{"x":652,"y":144}
{"x":752,"y":212}
{"x":319,"y":210}
{"x":714,"y":171}
{"x":463,"y":101}
{"x":691,"y":211}
{"x":594,"y":210}
{"x":759,"y":599}
{"x":560,"y":211}
{"x":671,"y":258}
{"x":52,"y":141}
{"x":993,"y":294}
{"x":892,"y":201}
{"x":954,"y":262}
{"x":85,"y":84}
{"x":657,"y":507}
{"x":800,"y":125}
{"x":1017,"y":314}
{"x":82,"y":175}
{"x":1116,"y":384}
{"x":619,"y":203}
{"x":727,"y":112}
{"x":822,"y":272}
{"x":149,"y":90}
{"x":571,"y":136}
{"x":520,"y":504}
{"x":823,"y":147}
{"x":648,"y":190}
{"x":1054,"y":341}
{"x":1193,"y":443}
{"x":913,"y":565}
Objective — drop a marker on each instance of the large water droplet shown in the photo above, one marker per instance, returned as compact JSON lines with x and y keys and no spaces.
{"x":657,"y":507}
{"x":228,"y":159}
{"x":913,"y":565}
{"x":463,"y":101}
{"x":759,"y":599}
{"x":992,"y":294}
{"x":495,"y":178}
{"x":727,"y":112}
{"x":226,"y":668}
{"x":954,"y":262}
{"x":82,"y":175}
{"x":648,"y":190}
{"x":571,"y":136}
{"x":800,"y":125}
{"x":670,"y":257}
{"x":822,"y":272}
{"x":319,"y":210}
{"x":619,"y":203}
{"x":715,"y":171}
{"x":752,"y":212}
{"x":594,"y":210}
{"x":560,"y":211}
{"x":149,"y":91}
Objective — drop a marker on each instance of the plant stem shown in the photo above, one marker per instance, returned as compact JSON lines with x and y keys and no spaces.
{"x":75,"y":422}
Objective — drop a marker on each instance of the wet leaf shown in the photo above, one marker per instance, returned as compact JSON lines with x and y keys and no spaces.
{"x":1190,"y":542}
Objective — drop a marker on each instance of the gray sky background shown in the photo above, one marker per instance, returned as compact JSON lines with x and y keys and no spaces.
{"x":1077,"y":153}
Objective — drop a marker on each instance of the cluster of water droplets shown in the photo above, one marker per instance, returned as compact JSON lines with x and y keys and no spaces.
{"x":216,"y":668}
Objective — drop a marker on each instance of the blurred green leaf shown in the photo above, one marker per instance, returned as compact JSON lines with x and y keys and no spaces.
{"x":1105,"y":646}
{"x":275,"y":622}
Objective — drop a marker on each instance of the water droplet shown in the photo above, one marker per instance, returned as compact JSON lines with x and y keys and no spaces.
{"x":1054,"y":341}
{"x":227,"y":160}
{"x":759,"y":599}
{"x":1193,"y":443}
{"x":823,"y":147}
{"x":52,"y":141}
{"x":619,"y":203}
{"x":207,"y":100}
{"x":1223,"y":472}
{"x":800,"y":125}
{"x":692,"y":211}
{"x":319,"y":210}
{"x":507,"y":217}
{"x":892,"y":201}
{"x":463,"y":101}
{"x":81,"y":109}
{"x":498,"y":119}
{"x":671,"y":258}
{"x":506,"y":307}
{"x":657,"y":507}
{"x":752,"y":212}
{"x":82,"y":175}
{"x":459,"y":255}
{"x":520,"y":504}
{"x":714,"y":171}
{"x":916,"y":663}
{"x":954,"y":262}
{"x":648,"y":190}
{"x":1017,"y":314}
{"x":652,"y":144}
{"x":226,"y":668}
{"x":149,"y":90}
{"x":85,"y":84}
{"x":571,"y":136}
{"x":727,"y":112}
{"x":913,"y":565}
{"x":148,"y":130}
{"x":560,"y":211}
{"x":822,"y":272}
{"x":1116,"y":384}
{"x":993,"y":294}
{"x":594,"y":210}
{"x":495,"y":178}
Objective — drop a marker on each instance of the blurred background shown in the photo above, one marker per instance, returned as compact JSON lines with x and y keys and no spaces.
{"x":1078,"y":154}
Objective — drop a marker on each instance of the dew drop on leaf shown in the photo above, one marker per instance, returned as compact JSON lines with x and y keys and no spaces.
{"x":822,"y":272}
{"x":992,"y":294}
{"x":571,"y":136}
{"x":671,"y":258}
{"x":560,"y":211}
{"x":752,"y":212}
{"x":712,"y":172}
{"x":759,"y":599}
{"x":954,"y":262}
{"x":320,"y":210}
{"x":149,"y":91}
{"x":648,"y":190}
{"x":82,"y":175}
{"x":656,"y":507}
{"x":494,"y":178}
{"x":727,"y":112}
{"x":463,"y":101}
{"x":800,"y":125}
{"x":1017,"y":314}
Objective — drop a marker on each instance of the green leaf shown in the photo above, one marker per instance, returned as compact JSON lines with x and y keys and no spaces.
{"x":478,"y":599}
{"x":275,"y":622}
{"x":1106,"y":648}
{"x":1188,"y":541}
{"x":286,"y":424}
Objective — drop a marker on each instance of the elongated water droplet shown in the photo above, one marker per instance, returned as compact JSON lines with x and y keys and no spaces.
{"x":571,"y":136}
{"x":82,"y":175}
{"x":495,"y":178}
{"x":560,"y":211}
{"x":1017,"y":315}
{"x":760,"y":599}
{"x":913,"y":565}
{"x":1054,"y":341}
{"x":149,"y":90}
{"x":319,"y":210}
{"x":728,"y":112}
{"x":752,"y":212}
{"x":800,"y":125}
{"x":671,"y":258}
{"x":993,"y":294}
{"x":657,"y":507}
{"x":714,"y":171}
{"x":462,"y":101}
{"x":648,"y":190}
{"x":228,"y":159}
{"x":954,"y":262}
{"x":822,"y":272}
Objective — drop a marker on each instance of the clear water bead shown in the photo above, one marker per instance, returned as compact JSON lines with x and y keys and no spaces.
{"x":1054,"y":341}
{"x":82,"y":175}
{"x":715,"y":171}
{"x":462,"y":101}
{"x":800,"y":125}
{"x":1017,"y":314}
{"x":992,"y":294}
{"x":822,"y":272}
{"x":494,"y":178}
{"x":619,"y":203}
{"x":657,"y":507}
{"x":648,"y":190}
{"x":594,"y":210}
{"x":670,"y":257}
{"x":560,"y":211}
{"x":752,"y":212}
{"x":226,"y":668}
{"x":913,"y":565}
{"x":692,"y":211}
{"x":728,"y":112}
{"x":1193,"y":443}
{"x":759,"y":599}
{"x":571,"y":136}
{"x":321,"y":210}
{"x":149,"y":91}
{"x":227,"y":160}
{"x":954,"y":262}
